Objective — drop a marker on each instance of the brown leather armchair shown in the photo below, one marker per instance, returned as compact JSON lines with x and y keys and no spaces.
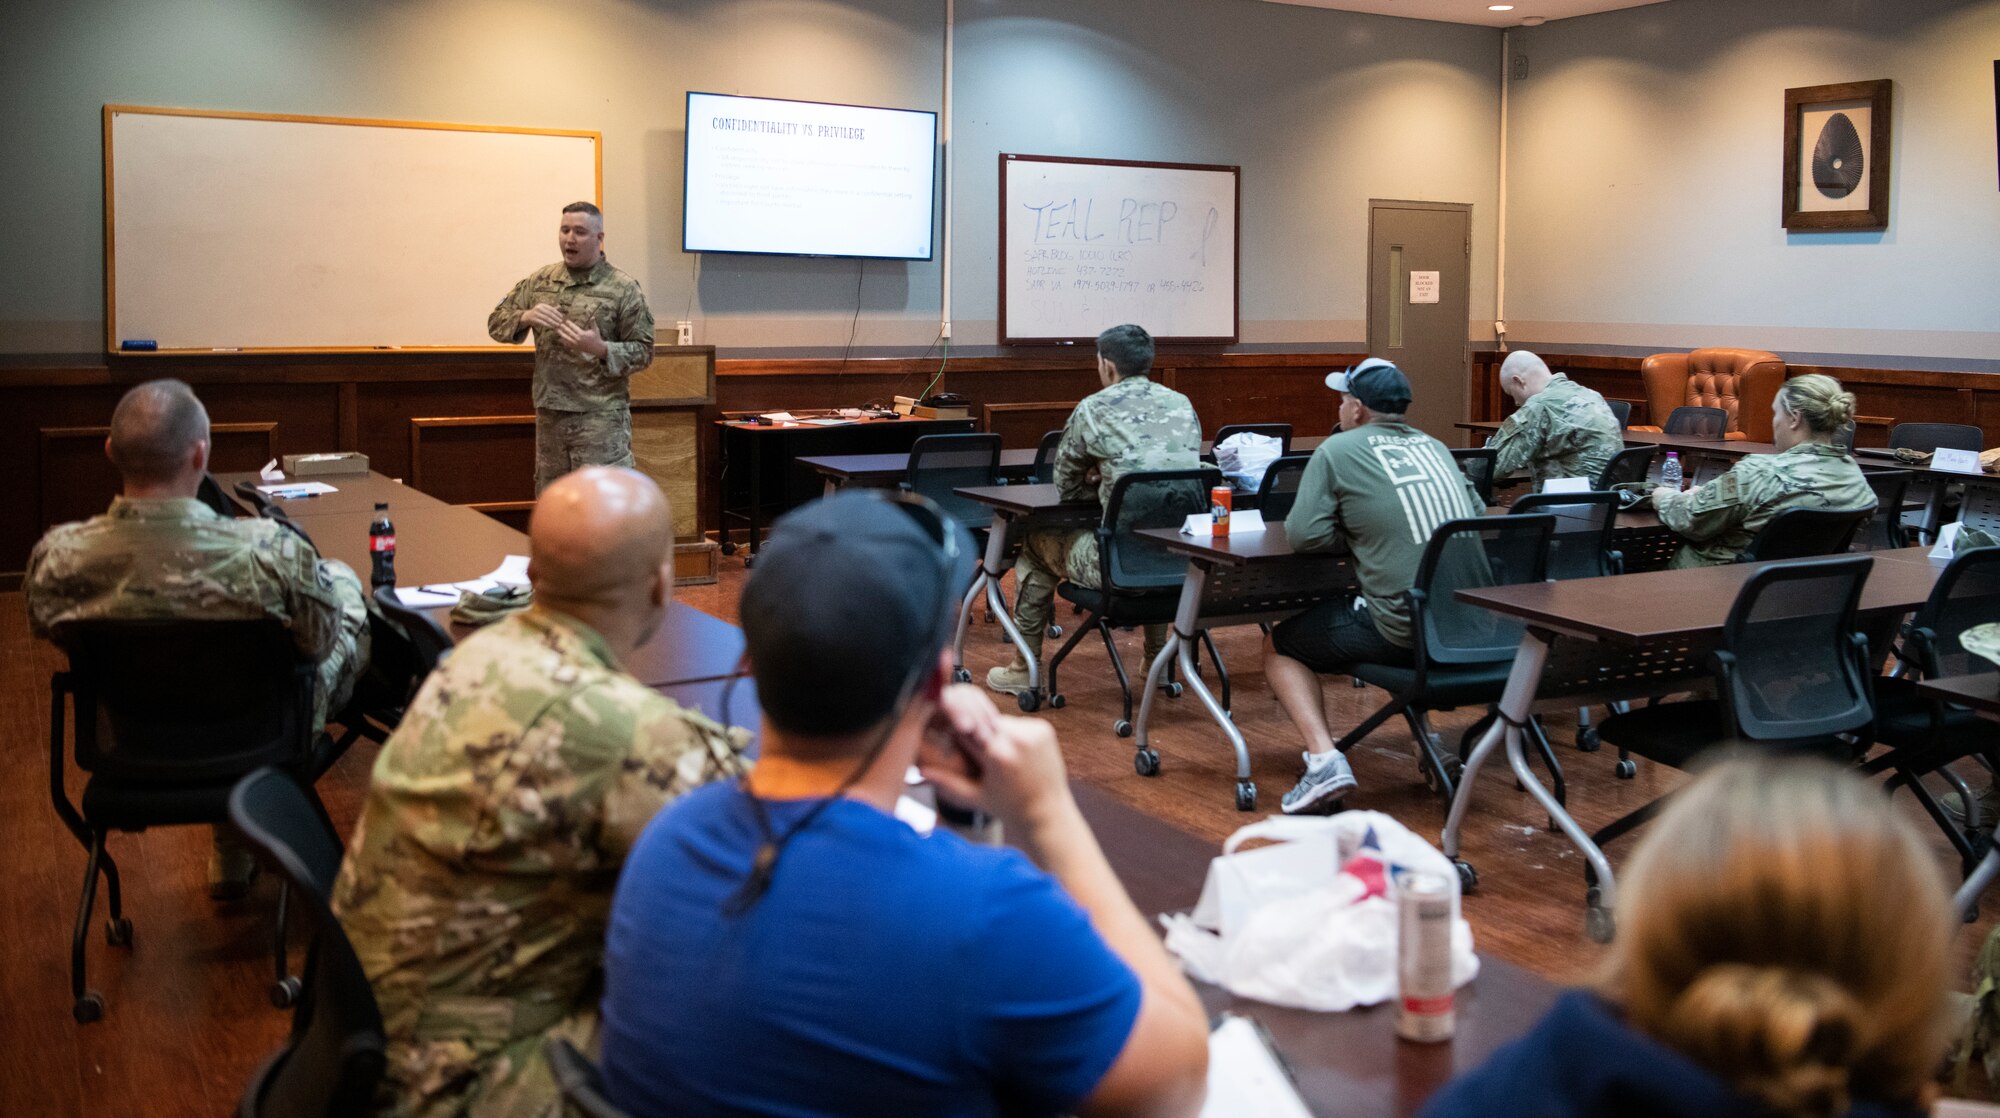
{"x":1742,"y":382}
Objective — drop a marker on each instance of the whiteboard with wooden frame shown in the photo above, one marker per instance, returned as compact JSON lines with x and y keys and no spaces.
{"x":1087,"y":244}
{"x":253,"y":232}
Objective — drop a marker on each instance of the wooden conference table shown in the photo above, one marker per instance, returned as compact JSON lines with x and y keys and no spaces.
{"x":879,"y":471}
{"x":438,"y":543}
{"x":1686,"y":444}
{"x":1624,"y":637}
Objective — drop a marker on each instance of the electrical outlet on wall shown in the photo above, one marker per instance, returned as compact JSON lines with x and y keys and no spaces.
{"x":683,"y":332}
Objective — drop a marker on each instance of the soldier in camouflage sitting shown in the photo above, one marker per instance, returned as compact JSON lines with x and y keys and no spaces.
{"x":1718,"y":520}
{"x":1561,"y":428}
{"x":479,"y":878}
{"x":160,"y":553}
{"x":1132,"y":424}
{"x":593,"y":330}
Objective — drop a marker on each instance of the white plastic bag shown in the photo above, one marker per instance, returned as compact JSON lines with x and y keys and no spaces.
{"x":1245,"y":456}
{"x":1282,"y":923}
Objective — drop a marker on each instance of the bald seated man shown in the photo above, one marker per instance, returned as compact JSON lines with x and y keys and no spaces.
{"x":1559,"y":428}
{"x":478,"y":882}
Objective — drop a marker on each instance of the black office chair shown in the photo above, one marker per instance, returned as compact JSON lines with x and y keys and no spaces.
{"x":940,"y":464}
{"x":1628,"y":466}
{"x":334,"y":1057}
{"x":1463,"y":652}
{"x":1279,"y":490}
{"x":1477,"y":463}
{"x":1697,"y":423}
{"x":582,"y":1085}
{"x":1885,"y":528}
{"x":1045,"y":459}
{"x":1704,"y":468}
{"x":1279,"y":431}
{"x":1929,"y":438}
{"x":1792,"y":673}
{"x":1622,"y":409}
{"x":1803,"y":533}
{"x":1844,"y":438}
{"x":168,"y":715}
{"x":1980,"y":507}
{"x":1926,"y":735}
{"x":1139,"y":580}
{"x":404,"y":645}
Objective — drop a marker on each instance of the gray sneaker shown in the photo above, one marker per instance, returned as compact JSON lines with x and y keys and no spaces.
{"x":1988,"y":799}
{"x":1325,"y":784}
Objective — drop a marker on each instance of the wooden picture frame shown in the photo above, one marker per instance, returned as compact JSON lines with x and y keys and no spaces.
{"x":1836,"y":157}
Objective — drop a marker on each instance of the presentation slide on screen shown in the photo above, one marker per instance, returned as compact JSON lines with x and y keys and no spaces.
{"x":798,"y":177}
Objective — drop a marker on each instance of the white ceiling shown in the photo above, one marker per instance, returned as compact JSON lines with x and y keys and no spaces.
{"x":1473,"y":11}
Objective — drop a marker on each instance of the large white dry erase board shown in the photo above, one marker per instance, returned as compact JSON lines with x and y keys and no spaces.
{"x":1086,"y":244}
{"x":226,"y":231}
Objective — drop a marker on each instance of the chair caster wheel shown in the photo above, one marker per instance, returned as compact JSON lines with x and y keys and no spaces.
{"x":1587,"y":740}
{"x":1599,"y":925}
{"x":1172,"y":690}
{"x":1057,"y":701}
{"x":1468,"y":878}
{"x":1122,"y":728}
{"x":285,"y":992}
{"x":729,"y":548}
{"x":1028,"y":701}
{"x":1627,"y":770}
{"x":118,"y":933}
{"x":960,"y":675}
{"x":1146,"y":762}
{"x":1246,"y":796}
{"x":749,"y":561}
{"x":88,"y":1008}
{"x":1055,"y":630}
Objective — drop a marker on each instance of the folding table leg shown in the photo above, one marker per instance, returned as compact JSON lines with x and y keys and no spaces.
{"x":1966,"y":900}
{"x":1180,"y":650}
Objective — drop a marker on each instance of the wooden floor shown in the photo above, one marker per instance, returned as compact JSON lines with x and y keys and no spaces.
{"x":186,"y":1020}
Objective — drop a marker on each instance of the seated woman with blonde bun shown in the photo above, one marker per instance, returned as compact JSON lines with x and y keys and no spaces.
{"x":1783,"y":944}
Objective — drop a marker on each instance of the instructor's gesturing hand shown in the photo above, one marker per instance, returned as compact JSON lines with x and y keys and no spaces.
{"x":542,"y":316}
{"x":581,"y":340}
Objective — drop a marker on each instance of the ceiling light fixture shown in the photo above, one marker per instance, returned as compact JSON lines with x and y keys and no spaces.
{"x":1499,"y":7}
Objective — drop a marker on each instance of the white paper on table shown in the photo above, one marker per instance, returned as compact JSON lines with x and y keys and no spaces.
{"x":1947,"y":541}
{"x":921,"y":817}
{"x":1245,"y":1076}
{"x":512,"y":571}
{"x":1963,"y":1108}
{"x":828,"y":421}
{"x":1566,"y":485}
{"x":271,"y":472}
{"x":1246,"y":522}
{"x":297,"y":489}
{"x":427,"y":597}
{"x":781,"y":416}
{"x":1956,"y":461}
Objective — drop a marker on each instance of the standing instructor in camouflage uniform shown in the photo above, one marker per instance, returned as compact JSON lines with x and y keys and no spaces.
{"x":592,"y":332}
{"x":1561,"y":430}
{"x":1131,"y":424}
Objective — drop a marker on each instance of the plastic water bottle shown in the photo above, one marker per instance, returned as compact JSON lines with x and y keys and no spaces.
{"x":1670,"y":472}
{"x":382,"y":547}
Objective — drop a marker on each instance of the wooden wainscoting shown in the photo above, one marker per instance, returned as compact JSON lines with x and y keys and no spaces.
{"x":1024,"y":424}
{"x":78,"y":481}
{"x":486,"y":461}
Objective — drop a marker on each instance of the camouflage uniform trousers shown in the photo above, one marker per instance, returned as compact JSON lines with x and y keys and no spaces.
{"x":1056,"y":555}
{"x":571,"y":440}
{"x":462,"y":1073}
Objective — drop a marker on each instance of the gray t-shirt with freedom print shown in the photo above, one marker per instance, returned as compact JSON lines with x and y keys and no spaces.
{"x":1381,"y":489}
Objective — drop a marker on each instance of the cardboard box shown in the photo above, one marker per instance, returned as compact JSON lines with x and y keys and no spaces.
{"x":325,"y":465}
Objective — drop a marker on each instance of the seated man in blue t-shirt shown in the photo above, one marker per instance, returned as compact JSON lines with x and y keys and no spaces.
{"x":786,"y":946}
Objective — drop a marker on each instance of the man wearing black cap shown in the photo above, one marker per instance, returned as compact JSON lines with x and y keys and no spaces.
{"x":786,"y":945}
{"x":1382,"y":487}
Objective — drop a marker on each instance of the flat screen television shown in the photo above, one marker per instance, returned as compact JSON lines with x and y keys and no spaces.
{"x":802,"y":178}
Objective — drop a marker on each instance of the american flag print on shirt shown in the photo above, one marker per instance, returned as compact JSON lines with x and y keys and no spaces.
{"x":1429,"y":486}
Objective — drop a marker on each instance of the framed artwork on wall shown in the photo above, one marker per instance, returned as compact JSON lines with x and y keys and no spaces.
{"x":1837,"y":156}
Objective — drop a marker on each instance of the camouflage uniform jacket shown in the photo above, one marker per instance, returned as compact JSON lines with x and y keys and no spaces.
{"x":604,"y":297}
{"x":1135,"y":424}
{"x":478,"y":882}
{"x":163,"y":558}
{"x":1565,"y":430}
{"x":1719,"y":519}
